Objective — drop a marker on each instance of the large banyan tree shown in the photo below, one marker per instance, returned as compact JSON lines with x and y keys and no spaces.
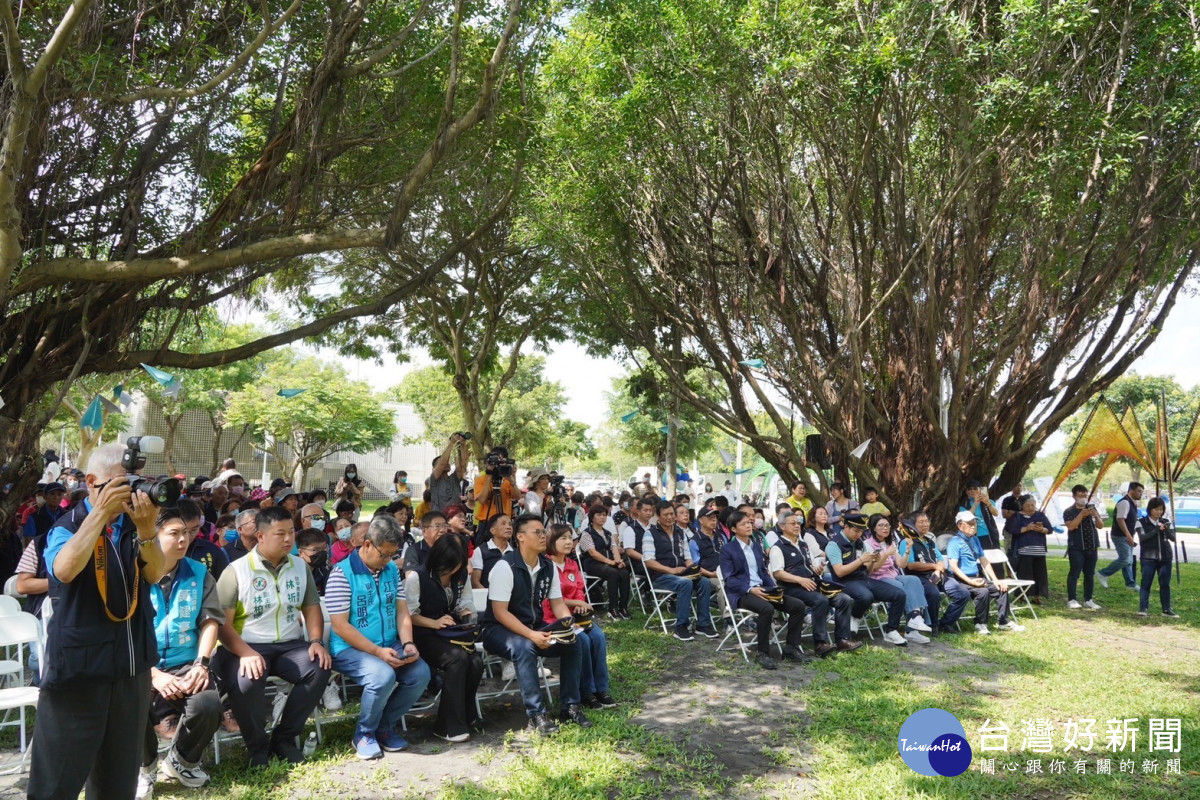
{"x":939,"y":225}
{"x":158,"y":158}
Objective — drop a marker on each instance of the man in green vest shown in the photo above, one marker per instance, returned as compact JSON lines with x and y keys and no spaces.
{"x":372,"y":639}
{"x":273,"y":627}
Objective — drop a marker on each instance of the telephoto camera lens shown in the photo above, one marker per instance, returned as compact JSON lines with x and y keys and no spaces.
{"x":162,"y":492}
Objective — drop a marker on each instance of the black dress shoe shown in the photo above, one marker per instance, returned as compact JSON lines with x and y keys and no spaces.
{"x":573,"y":713}
{"x":766,"y":662}
{"x":797,"y":655}
{"x":605,"y":700}
{"x":541,"y":722}
{"x":287,"y":751}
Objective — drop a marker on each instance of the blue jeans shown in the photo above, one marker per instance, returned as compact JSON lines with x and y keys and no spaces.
{"x":914,"y":594}
{"x":1161,"y":568}
{"x":500,"y":641}
{"x":683,"y":588}
{"x":593,"y":673}
{"x":388,"y":692}
{"x":1123,"y":561}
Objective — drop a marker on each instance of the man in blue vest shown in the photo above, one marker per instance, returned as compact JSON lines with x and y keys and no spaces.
{"x":372,"y":639}
{"x":100,"y":645}
{"x":666,"y":556}
{"x":852,"y":567}
{"x":1123,"y":530}
{"x":273,"y":627}
{"x":518,"y":584}
{"x":187,"y":615}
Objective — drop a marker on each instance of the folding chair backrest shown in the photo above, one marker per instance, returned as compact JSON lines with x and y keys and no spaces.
{"x":997,"y":557}
{"x":10,"y":586}
{"x":19,"y":628}
{"x":9,"y":605}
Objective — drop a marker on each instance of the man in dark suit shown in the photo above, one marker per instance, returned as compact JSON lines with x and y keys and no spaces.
{"x":744,"y":570}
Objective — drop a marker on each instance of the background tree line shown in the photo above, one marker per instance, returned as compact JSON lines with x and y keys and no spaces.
{"x":940,"y":226}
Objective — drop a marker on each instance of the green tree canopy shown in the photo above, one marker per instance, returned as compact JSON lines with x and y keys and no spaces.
{"x":333,"y":414}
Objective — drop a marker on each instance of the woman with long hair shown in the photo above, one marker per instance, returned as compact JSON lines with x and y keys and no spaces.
{"x":439,"y":597}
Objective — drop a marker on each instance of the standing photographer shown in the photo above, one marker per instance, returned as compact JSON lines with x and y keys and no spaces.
{"x":444,"y":489}
{"x":495,"y":492}
{"x":102,"y":556}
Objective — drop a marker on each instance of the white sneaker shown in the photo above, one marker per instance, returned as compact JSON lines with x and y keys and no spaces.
{"x":1143,"y":613}
{"x":894,"y":637}
{"x":1103,"y":580}
{"x":981,"y":629}
{"x":1091,"y":605}
{"x":278,"y":702}
{"x":545,"y":673}
{"x":509,"y":673}
{"x":919,"y":638}
{"x":917,"y":623}
{"x":145,"y":783}
{"x":1074,"y":604}
{"x":192,"y":777}
{"x":331,"y":699}
{"x":1011,"y":625}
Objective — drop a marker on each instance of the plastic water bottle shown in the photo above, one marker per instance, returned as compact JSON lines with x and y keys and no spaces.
{"x":310,"y":745}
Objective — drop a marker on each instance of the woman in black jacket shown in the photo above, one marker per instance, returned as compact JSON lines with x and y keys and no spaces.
{"x":1156,"y":538}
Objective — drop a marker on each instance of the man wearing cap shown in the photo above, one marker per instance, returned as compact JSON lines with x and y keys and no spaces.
{"x":49,"y":510}
{"x":984,"y":511}
{"x":666,"y":557}
{"x":706,"y":551}
{"x":851,"y":566}
{"x":971,"y":576}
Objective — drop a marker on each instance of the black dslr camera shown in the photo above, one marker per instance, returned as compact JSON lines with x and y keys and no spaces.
{"x":161,"y":491}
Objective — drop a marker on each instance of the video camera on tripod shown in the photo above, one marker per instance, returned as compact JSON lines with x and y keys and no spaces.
{"x":497,"y":464}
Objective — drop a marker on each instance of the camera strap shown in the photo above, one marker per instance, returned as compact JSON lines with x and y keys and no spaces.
{"x":100,"y":563}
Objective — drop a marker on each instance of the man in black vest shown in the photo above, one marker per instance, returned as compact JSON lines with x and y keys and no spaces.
{"x":1122,"y":538}
{"x":517,"y":586}
{"x":666,"y":556}
{"x":100,"y":645}
{"x":706,"y":551}
{"x":852,"y":568}
{"x":791,"y":565}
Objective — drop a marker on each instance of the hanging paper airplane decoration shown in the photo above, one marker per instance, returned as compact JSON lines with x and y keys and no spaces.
{"x":664,"y":429}
{"x":109,"y":406}
{"x":861,"y":450}
{"x":290,"y":392}
{"x":753,"y":363}
{"x":121,"y":396}
{"x":171,"y":384}
{"x":741,"y":471}
{"x":726,"y":457}
{"x":629,"y":417}
{"x":93,"y":417}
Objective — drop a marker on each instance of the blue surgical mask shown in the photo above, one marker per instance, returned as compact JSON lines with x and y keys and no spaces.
{"x":351,"y":475}
{"x":344,"y":535}
{"x":231,"y":534}
{"x":318,"y":523}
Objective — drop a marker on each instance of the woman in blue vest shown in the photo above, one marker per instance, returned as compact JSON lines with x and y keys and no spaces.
{"x":372,"y":639}
{"x":439,"y":597}
{"x":187,"y":615}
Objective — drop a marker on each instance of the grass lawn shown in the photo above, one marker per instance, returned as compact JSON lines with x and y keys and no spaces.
{"x":835,"y":730}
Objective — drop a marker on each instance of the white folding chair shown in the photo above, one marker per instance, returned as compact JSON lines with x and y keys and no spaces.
{"x":1018,"y":589}
{"x":735,"y":618}
{"x":590,"y":582}
{"x":9,"y":605}
{"x":20,"y":630}
{"x":10,"y":587}
{"x":659,"y":599}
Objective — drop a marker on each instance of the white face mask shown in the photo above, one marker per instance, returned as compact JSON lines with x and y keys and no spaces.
{"x":41,"y":501}
{"x":344,"y":535}
{"x":319,"y":524}
{"x":759,"y":524}
{"x":72,"y":485}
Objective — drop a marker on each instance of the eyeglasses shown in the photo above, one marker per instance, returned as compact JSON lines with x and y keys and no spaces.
{"x":315,"y":516}
{"x":438,"y":526}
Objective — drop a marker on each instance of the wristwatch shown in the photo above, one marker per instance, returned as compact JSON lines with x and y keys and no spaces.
{"x":311,"y":642}
{"x":201,"y":661}
{"x":404,"y":645}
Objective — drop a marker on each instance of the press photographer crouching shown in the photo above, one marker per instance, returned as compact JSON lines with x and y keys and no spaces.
{"x":102,"y":557}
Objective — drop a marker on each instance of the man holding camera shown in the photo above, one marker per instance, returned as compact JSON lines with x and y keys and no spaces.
{"x":495,"y":492}
{"x":444,"y":485}
{"x":101,"y":557}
